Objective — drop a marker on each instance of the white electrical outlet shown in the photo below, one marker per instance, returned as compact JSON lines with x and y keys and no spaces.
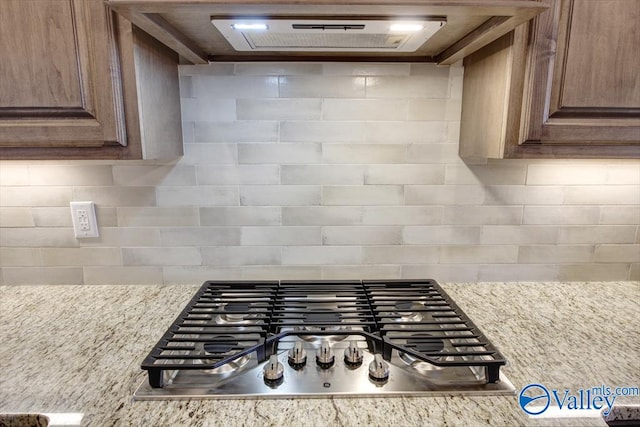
{"x":84,"y":219}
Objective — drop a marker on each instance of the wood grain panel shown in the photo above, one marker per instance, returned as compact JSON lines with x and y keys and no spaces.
{"x":39,"y":66}
{"x":601,"y":58}
{"x":486,"y":77}
{"x":59,"y":75}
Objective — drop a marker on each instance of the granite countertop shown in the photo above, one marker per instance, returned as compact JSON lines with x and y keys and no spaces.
{"x":77,"y":349}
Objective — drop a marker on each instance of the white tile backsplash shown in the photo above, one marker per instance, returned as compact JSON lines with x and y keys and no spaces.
{"x":322,"y":86}
{"x":405,"y":132}
{"x":403,"y":174}
{"x":363,"y":153}
{"x":198,"y":195}
{"x":234,"y":87}
{"x":365,"y":109}
{"x":555,"y":254}
{"x":321,"y":171}
{"x":20,"y":257}
{"x":16,"y":217}
{"x":232,"y":215}
{"x":41,"y":175}
{"x":130,"y":275}
{"x":236,"y":131}
{"x":353,"y":195}
{"x":43,"y":275}
{"x":321,"y":131}
{"x":561,"y":215}
{"x":362,"y":235}
{"x":280,"y":195}
{"x":280,"y":236}
{"x":321,"y":255}
{"x":153,"y":175}
{"x":81,"y":256}
{"x":322,"y":174}
{"x":432,"y":85}
{"x":241,"y":255}
{"x":238,"y":174}
{"x":617,"y":253}
{"x":161,"y":256}
{"x":156,"y":216}
{"x":596,"y":234}
{"x":401,"y":215}
{"x":279,"y":154}
{"x":35,"y":196}
{"x":117,"y":195}
{"x":210,"y":153}
{"x":278,"y":109}
{"x":322,"y":215}
{"x":200,"y":236}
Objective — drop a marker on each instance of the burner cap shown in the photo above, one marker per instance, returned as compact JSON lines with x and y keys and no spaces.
{"x":236,"y":312}
{"x":322,"y":316}
{"x":236,"y":307}
{"x":404,"y":305}
{"x":425,"y":343}
{"x":223,"y":344}
{"x":407,"y":311}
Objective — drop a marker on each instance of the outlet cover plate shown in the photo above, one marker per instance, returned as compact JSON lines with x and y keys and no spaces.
{"x":83,"y":215}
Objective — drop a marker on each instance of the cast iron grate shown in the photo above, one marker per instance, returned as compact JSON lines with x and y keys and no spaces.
{"x":419,"y":319}
{"x":228,"y":320}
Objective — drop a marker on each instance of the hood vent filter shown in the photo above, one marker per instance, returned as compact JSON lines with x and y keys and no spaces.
{"x":325,"y":36}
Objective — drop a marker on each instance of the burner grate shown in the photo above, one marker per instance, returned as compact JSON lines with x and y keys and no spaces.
{"x":230,"y":316}
{"x":321,"y":305}
{"x":438,"y":316}
{"x":228,"y":321}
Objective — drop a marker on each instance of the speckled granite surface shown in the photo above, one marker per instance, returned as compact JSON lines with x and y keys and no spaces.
{"x":78,"y":349}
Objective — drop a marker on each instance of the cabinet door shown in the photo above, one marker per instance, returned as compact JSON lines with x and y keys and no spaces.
{"x":58,"y":75}
{"x":583,"y":74}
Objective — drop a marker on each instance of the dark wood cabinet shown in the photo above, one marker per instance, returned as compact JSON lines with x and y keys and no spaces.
{"x":564,"y":85}
{"x":68,"y":86}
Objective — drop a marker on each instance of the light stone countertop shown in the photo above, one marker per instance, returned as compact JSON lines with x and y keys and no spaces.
{"x":78,"y":349}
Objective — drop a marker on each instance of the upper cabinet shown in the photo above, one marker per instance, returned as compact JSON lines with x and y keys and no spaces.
{"x":565,"y":85}
{"x":68,"y":86}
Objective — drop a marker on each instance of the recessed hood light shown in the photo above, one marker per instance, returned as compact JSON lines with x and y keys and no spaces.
{"x":244,"y":26}
{"x":406,"y":26}
{"x":280,"y":34}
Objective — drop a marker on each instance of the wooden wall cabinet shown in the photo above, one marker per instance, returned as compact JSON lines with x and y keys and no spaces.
{"x":77,"y":81}
{"x":564,"y":85}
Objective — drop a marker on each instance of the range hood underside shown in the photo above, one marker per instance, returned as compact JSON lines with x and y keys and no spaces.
{"x":185,"y":26}
{"x":320,"y":35}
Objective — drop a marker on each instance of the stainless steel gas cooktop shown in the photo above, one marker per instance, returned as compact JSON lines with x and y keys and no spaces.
{"x":240,"y":339}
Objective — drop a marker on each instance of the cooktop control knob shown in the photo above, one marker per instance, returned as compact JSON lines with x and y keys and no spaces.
{"x":353,"y":355}
{"x":325,"y":356}
{"x":297,"y":356}
{"x":273,"y":370}
{"x":379,"y":369}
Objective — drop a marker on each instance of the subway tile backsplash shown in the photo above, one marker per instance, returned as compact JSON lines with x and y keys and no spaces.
{"x":321,"y":171}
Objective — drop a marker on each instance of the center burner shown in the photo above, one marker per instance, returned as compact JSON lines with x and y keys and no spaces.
{"x":322,"y":338}
{"x":323,"y":320}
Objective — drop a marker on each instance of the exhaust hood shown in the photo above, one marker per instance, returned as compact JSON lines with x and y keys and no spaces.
{"x":441,"y":31}
{"x":322,"y":35}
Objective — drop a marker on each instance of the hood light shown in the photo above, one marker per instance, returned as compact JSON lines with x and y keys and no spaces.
{"x":406,"y":26}
{"x":250,"y":26}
